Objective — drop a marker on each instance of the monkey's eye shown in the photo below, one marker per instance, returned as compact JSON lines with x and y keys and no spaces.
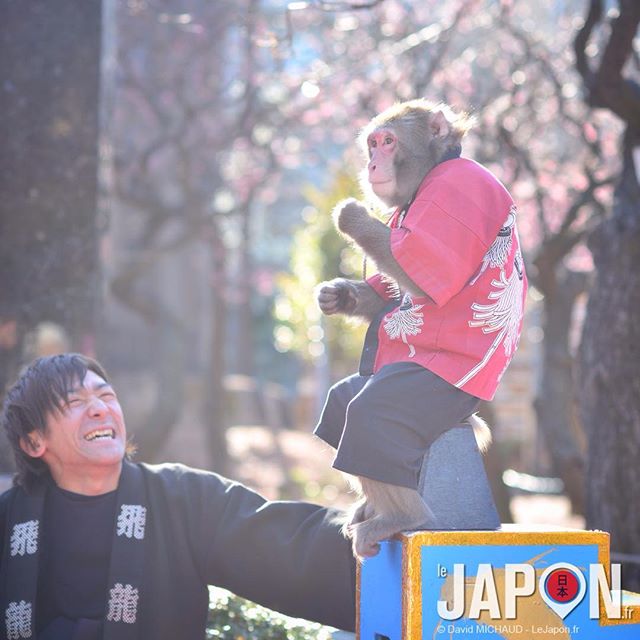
{"x":388,"y":140}
{"x":372,"y":143}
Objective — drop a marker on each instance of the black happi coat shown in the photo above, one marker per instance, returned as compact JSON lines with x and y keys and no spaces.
{"x":178,"y":530}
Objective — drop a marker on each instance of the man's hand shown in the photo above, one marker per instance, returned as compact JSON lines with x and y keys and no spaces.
{"x":351,"y":217}
{"x":337,"y":296}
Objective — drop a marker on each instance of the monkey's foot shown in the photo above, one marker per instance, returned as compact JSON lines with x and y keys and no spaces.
{"x":360,"y":512}
{"x":367,"y":535}
{"x":364,"y":544}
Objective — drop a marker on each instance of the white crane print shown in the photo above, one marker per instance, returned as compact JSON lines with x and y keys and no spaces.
{"x":502,"y":316}
{"x":406,"y":321}
{"x":500,"y":249}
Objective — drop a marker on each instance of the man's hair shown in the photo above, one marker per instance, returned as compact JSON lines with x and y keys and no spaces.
{"x":42,"y":389}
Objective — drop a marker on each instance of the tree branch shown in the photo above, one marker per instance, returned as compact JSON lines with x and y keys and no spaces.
{"x":582,"y":39}
{"x":606,"y":86}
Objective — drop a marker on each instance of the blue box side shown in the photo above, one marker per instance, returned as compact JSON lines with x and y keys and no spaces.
{"x":381,"y":594}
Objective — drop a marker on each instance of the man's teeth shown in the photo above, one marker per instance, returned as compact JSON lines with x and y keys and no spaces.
{"x":101,"y":433}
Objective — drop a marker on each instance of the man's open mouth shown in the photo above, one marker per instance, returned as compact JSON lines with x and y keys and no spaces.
{"x":101,"y":434}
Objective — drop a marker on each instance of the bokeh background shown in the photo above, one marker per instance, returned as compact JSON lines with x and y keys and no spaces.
{"x":167,"y":172}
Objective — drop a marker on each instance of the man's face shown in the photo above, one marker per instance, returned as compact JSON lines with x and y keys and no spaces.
{"x":89,"y":432}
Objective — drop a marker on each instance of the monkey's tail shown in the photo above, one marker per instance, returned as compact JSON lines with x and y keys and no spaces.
{"x":481,"y":431}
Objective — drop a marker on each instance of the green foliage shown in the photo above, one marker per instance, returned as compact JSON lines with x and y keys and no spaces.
{"x":233,"y":618}
{"x":318,"y":254}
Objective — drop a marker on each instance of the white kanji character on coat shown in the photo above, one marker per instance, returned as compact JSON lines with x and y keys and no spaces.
{"x":24,"y":538}
{"x":131,"y":521}
{"x":18,"y":620}
{"x":123,"y":603}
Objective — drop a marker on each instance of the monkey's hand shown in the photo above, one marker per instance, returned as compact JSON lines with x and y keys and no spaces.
{"x":374,"y":238}
{"x":337,"y":296}
{"x":351,"y":217}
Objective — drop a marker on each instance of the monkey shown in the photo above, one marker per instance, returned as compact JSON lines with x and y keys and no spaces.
{"x":445,"y":311}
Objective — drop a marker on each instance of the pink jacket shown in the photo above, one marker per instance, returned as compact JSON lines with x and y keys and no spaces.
{"x":458,"y":242}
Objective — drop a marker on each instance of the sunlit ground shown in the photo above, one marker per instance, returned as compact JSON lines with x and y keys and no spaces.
{"x":262,"y":458}
{"x":553,"y":510}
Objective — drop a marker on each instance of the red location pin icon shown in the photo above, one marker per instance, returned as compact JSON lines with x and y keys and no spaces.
{"x":562,"y":586}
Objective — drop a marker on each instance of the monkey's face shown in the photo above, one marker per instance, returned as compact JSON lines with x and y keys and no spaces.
{"x":403,"y":144}
{"x":382,"y":147}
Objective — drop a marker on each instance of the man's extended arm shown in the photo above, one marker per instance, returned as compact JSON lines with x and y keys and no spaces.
{"x":288,"y":556}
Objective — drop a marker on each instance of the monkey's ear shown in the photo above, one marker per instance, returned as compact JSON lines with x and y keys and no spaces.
{"x":439,"y":125}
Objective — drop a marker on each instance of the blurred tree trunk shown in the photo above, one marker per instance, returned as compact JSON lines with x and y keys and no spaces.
{"x":215,"y":418}
{"x":50,"y":68}
{"x":49,"y":86}
{"x":495,"y":467}
{"x":243,"y":360}
{"x":561,"y":232}
{"x":168,"y":358}
{"x":609,"y":385}
{"x":554,"y":402}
